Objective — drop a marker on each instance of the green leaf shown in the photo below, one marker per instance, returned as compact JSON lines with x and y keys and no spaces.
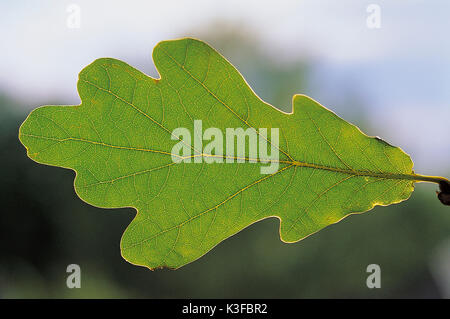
{"x":119,"y":143}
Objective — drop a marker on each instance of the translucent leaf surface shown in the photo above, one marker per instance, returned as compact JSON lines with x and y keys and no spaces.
{"x":119,"y":143}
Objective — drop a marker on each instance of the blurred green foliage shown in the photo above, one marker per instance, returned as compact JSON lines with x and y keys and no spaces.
{"x":44,"y":227}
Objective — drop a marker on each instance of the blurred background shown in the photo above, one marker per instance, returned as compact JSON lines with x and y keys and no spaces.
{"x":382,"y":65}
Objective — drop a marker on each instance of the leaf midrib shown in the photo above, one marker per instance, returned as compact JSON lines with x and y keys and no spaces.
{"x":387,"y":175}
{"x":367,"y":173}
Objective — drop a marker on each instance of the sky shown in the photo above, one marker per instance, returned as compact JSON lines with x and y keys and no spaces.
{"x":401,"y":69}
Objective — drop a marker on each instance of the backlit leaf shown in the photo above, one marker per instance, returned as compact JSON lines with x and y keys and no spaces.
{"x":119,"y":143}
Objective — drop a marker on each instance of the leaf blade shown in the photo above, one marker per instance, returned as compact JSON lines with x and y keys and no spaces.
{"x":117,"y":142}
